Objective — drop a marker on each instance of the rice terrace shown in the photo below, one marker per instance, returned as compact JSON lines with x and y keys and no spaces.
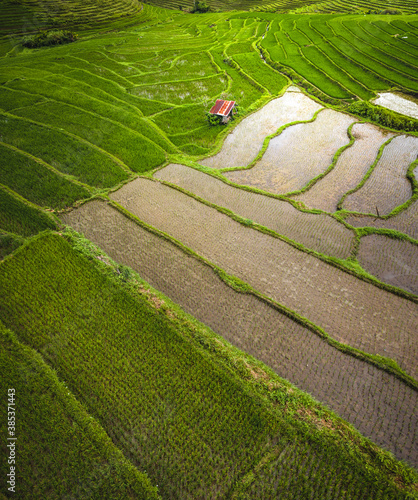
{"x":209,"y":249}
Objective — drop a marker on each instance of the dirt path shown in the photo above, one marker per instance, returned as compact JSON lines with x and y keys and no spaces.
{"x":319,"y":232}
{"x":350,"y":310}
{"x":350,"y":168}
{"x":387,"y":187}
{"x":392,"y":261}
{"x":243,"y":144}
{"x":298,"y":154}
{"x":379,"y":405}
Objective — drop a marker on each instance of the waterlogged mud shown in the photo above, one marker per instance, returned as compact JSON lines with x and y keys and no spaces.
{"x":392,"y":261}
{"x":298,"y":154}
{"x":379,"y":405}
{"x":387,"y":187}
{"x":351,"y":167}
{"x":405,"y":222}
{"x":244,"y":143}
{"x":397,"y":103}
{"x":318,"y":232}
{"x":350,"y":310}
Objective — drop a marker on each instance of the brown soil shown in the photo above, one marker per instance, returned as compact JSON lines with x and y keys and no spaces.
{"x":378,"y":404}
{"x":350,"y":310}
{"x":243,"y":144}
{"x":298,"y":154}
{"x":319,"y":232}
{"x":351,"y":167}
{"x":392,"y":261}
{"x":387,"y":187}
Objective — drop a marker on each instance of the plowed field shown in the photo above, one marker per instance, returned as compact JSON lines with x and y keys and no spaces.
{"x":350,"y":310}
{"x":392,"y":261}
{"x":244,"y":142}
{"x":387,"y":187}
{"x":298,"y":154}
{"x":378,"y":404}
{"x":319,"y":232}
{"x":351,"y":167}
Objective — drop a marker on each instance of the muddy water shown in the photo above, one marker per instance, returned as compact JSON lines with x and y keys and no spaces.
{"x":350,"y":310}
{"x":351,"y":167}
{"x":392,"y":261}
{"x":244,"y":142}
{"x":298,"y":154}
{"x":379,"y":405}
{"x":318,"y":232}
{"x":387,"y":187}
{"x":397,"y":103}
{"x":406,"y":222}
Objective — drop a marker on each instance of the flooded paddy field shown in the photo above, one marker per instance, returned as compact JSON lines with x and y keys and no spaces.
{"x":350,"y":310}
{"x":319,"y":232}
{"x":405,"y":222}
{"x":378,"y":404}
{"x":392,"y":261}
{"x":351,"y":167}
{"x":298,"y":154}
{"x":397,"y":103}
{"x":244,"y":143}
{"x":387,"y":187}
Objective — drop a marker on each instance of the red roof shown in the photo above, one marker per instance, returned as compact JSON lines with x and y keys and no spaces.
{"x":222,"y":107}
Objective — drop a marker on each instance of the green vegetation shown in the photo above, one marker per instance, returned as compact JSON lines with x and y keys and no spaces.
{"x":383,"y":116}
{"x":119,"y":390}
{"x":46,"y":38}
{"x":20,"y":217}
{"x":37,"y":181}
{"x":161,"y":419}
{"x":8,"y":243}
{"x":73,"y":454}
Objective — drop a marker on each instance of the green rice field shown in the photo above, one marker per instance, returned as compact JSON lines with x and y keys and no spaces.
{"x":192,"y":310}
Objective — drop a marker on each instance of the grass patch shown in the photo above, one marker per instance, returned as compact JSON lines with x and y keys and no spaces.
{"x":32,"y":179}
{"x":75,"y":457}
{"x":19,"y":217}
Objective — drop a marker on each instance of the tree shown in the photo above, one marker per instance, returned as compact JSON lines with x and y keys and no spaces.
{"x":200,"y":7}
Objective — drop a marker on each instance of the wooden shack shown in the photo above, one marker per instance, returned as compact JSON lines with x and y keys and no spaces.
{"x":223,"y":109}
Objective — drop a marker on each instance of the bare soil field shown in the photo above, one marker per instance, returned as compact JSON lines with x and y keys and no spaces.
{"x":397,"y":103}
{"x":351,"y":167}
{"x":318,"y":232}
{"x":392,"y":261}
{"x":243,"y":144}
{"x":298,"y":154}
{"x":350,"y":310}
{"x":387,"y":187}
{"x":378,"y":404}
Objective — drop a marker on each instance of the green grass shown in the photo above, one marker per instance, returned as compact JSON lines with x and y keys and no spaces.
{"x":39,"y":184}
{"x":9,"y":242}
{"x":21,"y":218}
{"x":133,"y":149}
{"x":74,"y":456}
{"x":64,"y":152}
{"x":196,"y":435}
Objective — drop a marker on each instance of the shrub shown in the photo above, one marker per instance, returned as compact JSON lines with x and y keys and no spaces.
{"x":213,"y":120}
{"x":46,"y":38}
{"x":200,"y":7}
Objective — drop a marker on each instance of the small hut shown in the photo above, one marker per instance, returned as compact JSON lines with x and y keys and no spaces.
{"x":223,"y":110}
